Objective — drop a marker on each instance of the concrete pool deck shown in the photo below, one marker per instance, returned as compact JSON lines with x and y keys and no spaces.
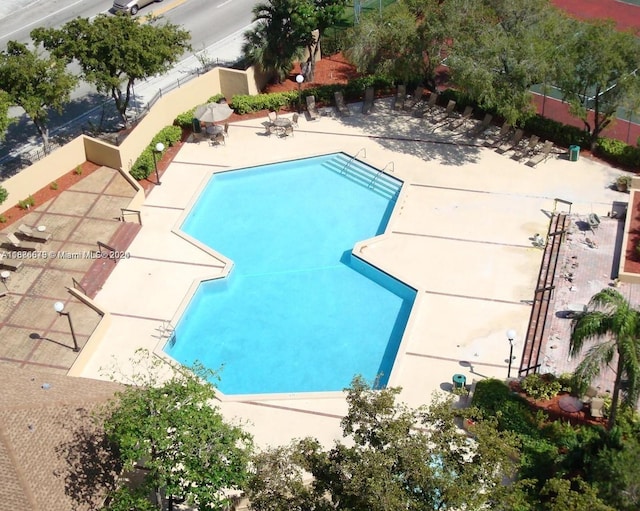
{"x":460,"y":234}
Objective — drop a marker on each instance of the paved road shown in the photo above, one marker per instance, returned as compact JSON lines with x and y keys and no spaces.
{"x":217,"y":29}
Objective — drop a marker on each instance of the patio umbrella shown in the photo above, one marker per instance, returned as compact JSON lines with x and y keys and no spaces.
{"x":213,"y":112}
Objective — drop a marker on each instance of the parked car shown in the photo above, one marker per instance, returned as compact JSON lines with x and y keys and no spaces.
{"x":131,"y":6}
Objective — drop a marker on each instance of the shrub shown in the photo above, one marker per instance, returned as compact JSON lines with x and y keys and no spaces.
{"x":3,"y":194}
{"x":54,"y":185}
{"x":494,"y":398}
{"x":78,"y":170}
{"x":244,"y":104}
{"x":561,"y":134}
{"x":144,"y":165}
{"x":540,"y":386}
{"x":27,"y":203}
{"x":3,"y":219}
{"x":617,"y":152}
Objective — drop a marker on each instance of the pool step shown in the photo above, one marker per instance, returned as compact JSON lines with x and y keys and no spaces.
{"x":367,"y":176}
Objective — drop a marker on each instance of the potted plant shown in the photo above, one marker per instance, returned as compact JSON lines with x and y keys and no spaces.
{"x":623,"y":183}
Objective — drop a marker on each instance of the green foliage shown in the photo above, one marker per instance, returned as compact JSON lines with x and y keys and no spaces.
{"x":185,"y":119}
{"x":243,"y":104}
{"x":135,"y":51}
{"x":78,"y":170}
{"x":561,"y":134}
{"x":54,"y":185}
{"x":35,"y":83}
{"x":406,"y":41}
{"x":27,"y":203}
{"x":618,"y":153}
{"x":144,"y":165}
{"x":5,"y":120}
{"x":167,"y":421}
{"x":3,"y":219}
{"x":571,"y":495}
{"x":3,"y":194}
{"x":394,"y":457}
{"x":615,"y":325}
{"x":127,"y":499}
{"x":540,"y":386}
{"x":596,"y":72}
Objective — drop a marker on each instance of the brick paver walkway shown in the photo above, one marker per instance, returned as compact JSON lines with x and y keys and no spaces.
{"x":32,"y":333}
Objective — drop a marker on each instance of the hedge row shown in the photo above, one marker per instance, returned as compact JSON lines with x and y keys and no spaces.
{"x":185,"y":119}
{"x":617,"y":152}
{"x":145,"y":163}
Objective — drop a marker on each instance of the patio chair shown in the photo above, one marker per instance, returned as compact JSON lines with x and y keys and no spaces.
{"x":412,"y":101}
{"x":448,"y":112}
{"x":226,"y":129}
{"x":311,"y":108}
{"x":11,"y":264}
{"x":272,"y":116}
{"x":466,"y":115}
{"x":589,"y":395}
{"x":286,"y":132}
{"x":18,"y":245}
{"x":369,"y":96}
{"x":527,"y":149}
{"x":34,"y":234}
{"x":541,"y":156}
{"x":420,"y":110}
{"x":217,"y":139}
{"x":294,"y":120}
{"x":597,"y":407}
{"x":401,"y":96}
{"x":341,"y":106}
{"x":494,"y":140}
{"x":481,"y":127}
{"x":512,"y":143}
{"x":594,"y":222}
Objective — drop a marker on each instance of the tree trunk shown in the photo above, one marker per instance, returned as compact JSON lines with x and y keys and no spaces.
{"x":616,"y":394}
{"x":44,"y":134}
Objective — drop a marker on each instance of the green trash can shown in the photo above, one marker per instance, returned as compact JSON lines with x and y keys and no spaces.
{"x":459,"y":381}
{"x":574,"y":152}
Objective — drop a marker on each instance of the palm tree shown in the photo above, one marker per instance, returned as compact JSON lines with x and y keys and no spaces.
{"x":614,"y":323}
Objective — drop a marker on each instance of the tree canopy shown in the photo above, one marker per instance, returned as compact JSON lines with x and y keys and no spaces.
{"x":285,"y":28}
{"x":115,"y":51}
{"x":615,"y":325}
{"x":173,"y":428}
{"x":34,"y":82}
{"x":394,"y":458}
{"x":598,"y":72}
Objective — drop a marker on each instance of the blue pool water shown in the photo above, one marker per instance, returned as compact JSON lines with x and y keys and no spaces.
{"x":298,"y":312}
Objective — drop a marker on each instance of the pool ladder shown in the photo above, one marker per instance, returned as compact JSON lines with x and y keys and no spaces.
{"x":348,"y":164}
{"x":392,"y":170}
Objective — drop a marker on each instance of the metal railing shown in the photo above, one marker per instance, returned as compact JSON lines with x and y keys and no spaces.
{"x":78,"y":286}
{"x":348,"y":164}
{"x":125,"y":211}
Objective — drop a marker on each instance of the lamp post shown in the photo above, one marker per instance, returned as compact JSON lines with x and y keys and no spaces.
{"x":511,"y":336}
{"x":158,"y":149}
{"x":59,"y":308}
{"x":299,"y":80}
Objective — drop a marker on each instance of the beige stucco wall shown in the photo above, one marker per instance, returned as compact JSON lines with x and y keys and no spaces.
{"x":43,"y":172}
{"x":83,"y":148}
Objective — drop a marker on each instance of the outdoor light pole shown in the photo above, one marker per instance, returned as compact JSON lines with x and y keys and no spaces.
{"x":511,"y":336}
{"x":59,"y":308}
{"x":300,"y":79}
{"x":158,"y":149}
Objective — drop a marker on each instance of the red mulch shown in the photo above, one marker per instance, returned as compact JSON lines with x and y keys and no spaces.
{"x":553,"y":410}
{"x":15,"y":213}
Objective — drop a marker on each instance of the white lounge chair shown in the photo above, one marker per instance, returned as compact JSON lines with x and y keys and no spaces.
{"x":19,"y":245}
{"x":311,"y":108}
{"x":33,"y":233}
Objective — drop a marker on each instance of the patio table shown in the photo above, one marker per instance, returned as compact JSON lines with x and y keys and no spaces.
{"x":570,"y":404}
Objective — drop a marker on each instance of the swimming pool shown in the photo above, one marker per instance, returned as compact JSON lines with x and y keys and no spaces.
{"x":298,"y":312}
